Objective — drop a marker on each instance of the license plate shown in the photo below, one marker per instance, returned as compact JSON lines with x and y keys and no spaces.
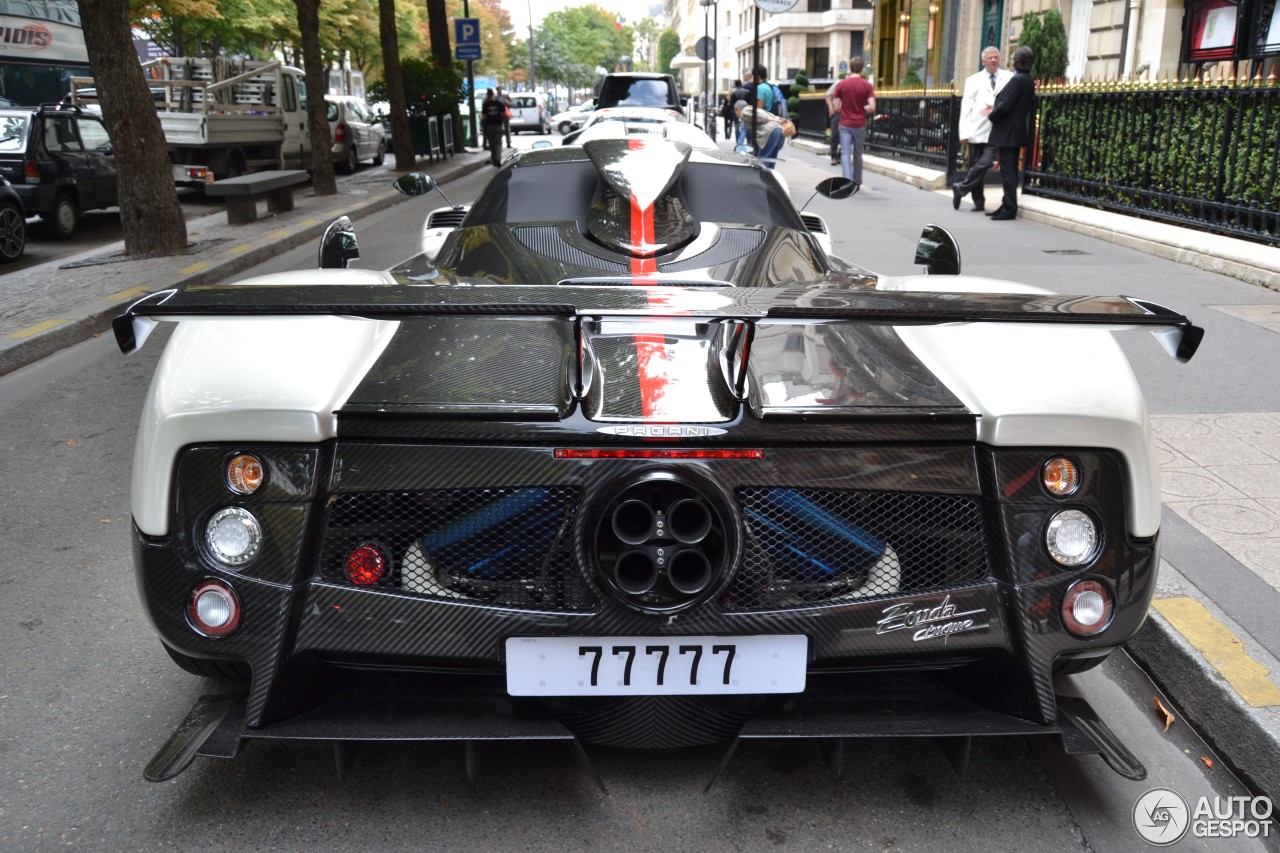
{"x":656,"y":666}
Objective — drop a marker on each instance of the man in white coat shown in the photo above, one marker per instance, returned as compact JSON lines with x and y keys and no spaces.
{"x":975,"y":128}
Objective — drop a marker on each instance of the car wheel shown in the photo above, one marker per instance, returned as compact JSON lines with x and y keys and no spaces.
{"x":564,"y":127}
{"x":237,"y":672}
{"x":13,"y":233}
{"x":348,"y":166}
{"x":381,"y":156}
{"x":235,"y":165}
{"x":62,"y":219}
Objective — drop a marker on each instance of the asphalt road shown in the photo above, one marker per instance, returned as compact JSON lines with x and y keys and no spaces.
{"x":87,"y":695}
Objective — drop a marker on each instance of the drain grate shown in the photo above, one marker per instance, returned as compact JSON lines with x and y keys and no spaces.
{"x":1063,"y":252}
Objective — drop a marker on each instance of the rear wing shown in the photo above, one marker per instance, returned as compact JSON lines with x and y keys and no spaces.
{"x":640,"y":298}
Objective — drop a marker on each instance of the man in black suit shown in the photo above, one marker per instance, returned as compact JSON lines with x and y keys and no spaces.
{"x":1009,"y":128}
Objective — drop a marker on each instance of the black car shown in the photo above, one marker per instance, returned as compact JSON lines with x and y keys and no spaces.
{"x":60,"y":161}
{"x":633,"y":461}
{"x":13,"y":224}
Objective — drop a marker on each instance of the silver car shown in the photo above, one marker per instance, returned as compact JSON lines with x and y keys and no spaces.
{"x":356,"y":133}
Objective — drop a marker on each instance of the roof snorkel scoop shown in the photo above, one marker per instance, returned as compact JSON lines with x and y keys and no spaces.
{"x":636,"y":213}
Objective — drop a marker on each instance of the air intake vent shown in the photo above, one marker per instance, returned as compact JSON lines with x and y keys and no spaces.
{"x":814,"y":223}
{"x":446,"y":218}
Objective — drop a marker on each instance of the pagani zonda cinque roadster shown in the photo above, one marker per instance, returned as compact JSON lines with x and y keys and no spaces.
{"x":633,"y":461}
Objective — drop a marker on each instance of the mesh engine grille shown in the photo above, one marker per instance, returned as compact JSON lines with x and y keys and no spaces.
{"x":508,"y":547}
{"x":813,"y":546}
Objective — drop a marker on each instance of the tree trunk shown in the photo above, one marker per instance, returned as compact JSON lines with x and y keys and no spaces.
{"x":322,"y":180}
{"x":150,"y":215}
{"x":401,"y":139}
{"x":438,"y":28}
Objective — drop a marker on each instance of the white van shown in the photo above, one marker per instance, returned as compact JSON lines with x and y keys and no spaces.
{"x":529,"y":112}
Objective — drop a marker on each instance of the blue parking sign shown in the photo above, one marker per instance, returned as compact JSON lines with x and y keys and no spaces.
{"x":466,"y":38}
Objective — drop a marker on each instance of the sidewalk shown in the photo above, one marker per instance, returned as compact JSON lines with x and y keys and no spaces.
{"x":62,"y":302}
{"x":1212,"y":641}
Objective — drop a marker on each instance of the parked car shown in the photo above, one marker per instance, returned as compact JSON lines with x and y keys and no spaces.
{"x":638,"y":120}
{"x":13,"y":223}
{"x":529,"y":112}
{"x":572,"y":118}
{"x":60,"y":161}
{"x":633,"y":461}
{"x":356,"y":132}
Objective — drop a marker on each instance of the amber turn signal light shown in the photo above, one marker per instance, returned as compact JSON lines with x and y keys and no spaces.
{"x":244,"y":474}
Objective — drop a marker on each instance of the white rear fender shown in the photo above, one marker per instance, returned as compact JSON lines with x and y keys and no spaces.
{"x":277,"y":380}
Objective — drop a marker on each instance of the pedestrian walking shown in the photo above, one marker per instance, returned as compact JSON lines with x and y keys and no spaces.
{"x":980,"y":90}
{"x":506,"y":114}
{"x":857,"y":100}
{"x":493,"y":116}
{"x":833,"y":122}
{"x":768,"y":130}
{"x":1009,"y":132}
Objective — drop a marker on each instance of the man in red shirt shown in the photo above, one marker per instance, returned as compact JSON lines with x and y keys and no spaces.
{"x":857,"y":99}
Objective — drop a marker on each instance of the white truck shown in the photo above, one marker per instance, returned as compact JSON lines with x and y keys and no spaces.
{"x":222,"y":119}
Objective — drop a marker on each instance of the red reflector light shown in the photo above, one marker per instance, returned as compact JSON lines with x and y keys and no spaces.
{"x":214,"y":608}
{"x":340,"y":133}
{"x":365,"y":566}
{"x":659,"y":453}
{"x":31,"y":169}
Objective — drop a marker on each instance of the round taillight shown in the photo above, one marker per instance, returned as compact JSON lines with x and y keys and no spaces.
{"x":233,"y":536}
{"x":1086,"y":608}
{"x":365,"y":565}
{"x":1060,"y":477}
{"x":1071,"y":538}
{"x":214,"y":608}
{"x":244,"y":474}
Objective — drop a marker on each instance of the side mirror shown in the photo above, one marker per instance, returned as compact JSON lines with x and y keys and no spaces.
{"x":338,"y":246}
{"x":837,"y":188}
{"x":415,"y":183}
{"x":938,"y":251}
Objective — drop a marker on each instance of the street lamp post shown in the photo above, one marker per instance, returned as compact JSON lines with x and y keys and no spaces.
{"x":532,"y":78}
{"x":928,"y":44}
{"x":708,"y":63}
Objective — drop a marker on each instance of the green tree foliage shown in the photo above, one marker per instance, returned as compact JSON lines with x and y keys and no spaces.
{"x":668,"y":49}
{"x":572,"y":43}
{"x":1047,"y":38}
{"x":429,"y":89}
{"x":647,"y":31}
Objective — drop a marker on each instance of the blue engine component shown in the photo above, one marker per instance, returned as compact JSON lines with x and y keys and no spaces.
{"x":802,"y":535}
{"x":500,"y":537}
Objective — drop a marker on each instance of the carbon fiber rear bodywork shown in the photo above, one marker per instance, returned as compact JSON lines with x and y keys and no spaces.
{"x":551,"y":444}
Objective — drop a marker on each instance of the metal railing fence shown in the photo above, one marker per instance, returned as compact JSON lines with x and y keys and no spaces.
{"x":915,"y":125}
{"x":1197,"y":154}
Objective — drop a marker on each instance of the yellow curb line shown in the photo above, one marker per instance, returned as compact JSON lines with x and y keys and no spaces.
{"x":126,"y":294}
{"x":283,"y":232}
{"x":37,"y":329}
{"x":309,"y":222}
{"x":195,"y":267}
{"x":1222,"y":649}
{"x":239,"y":250}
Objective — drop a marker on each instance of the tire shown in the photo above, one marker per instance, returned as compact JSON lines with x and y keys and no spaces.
{"x":63,"y":218}
{"x":348,"y":166}
{"x":235,"y":165}
{"x":565,"y":127}
{"x":234,"y":671}
{"x":381,"y":156}
{"x":13,"y":233}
